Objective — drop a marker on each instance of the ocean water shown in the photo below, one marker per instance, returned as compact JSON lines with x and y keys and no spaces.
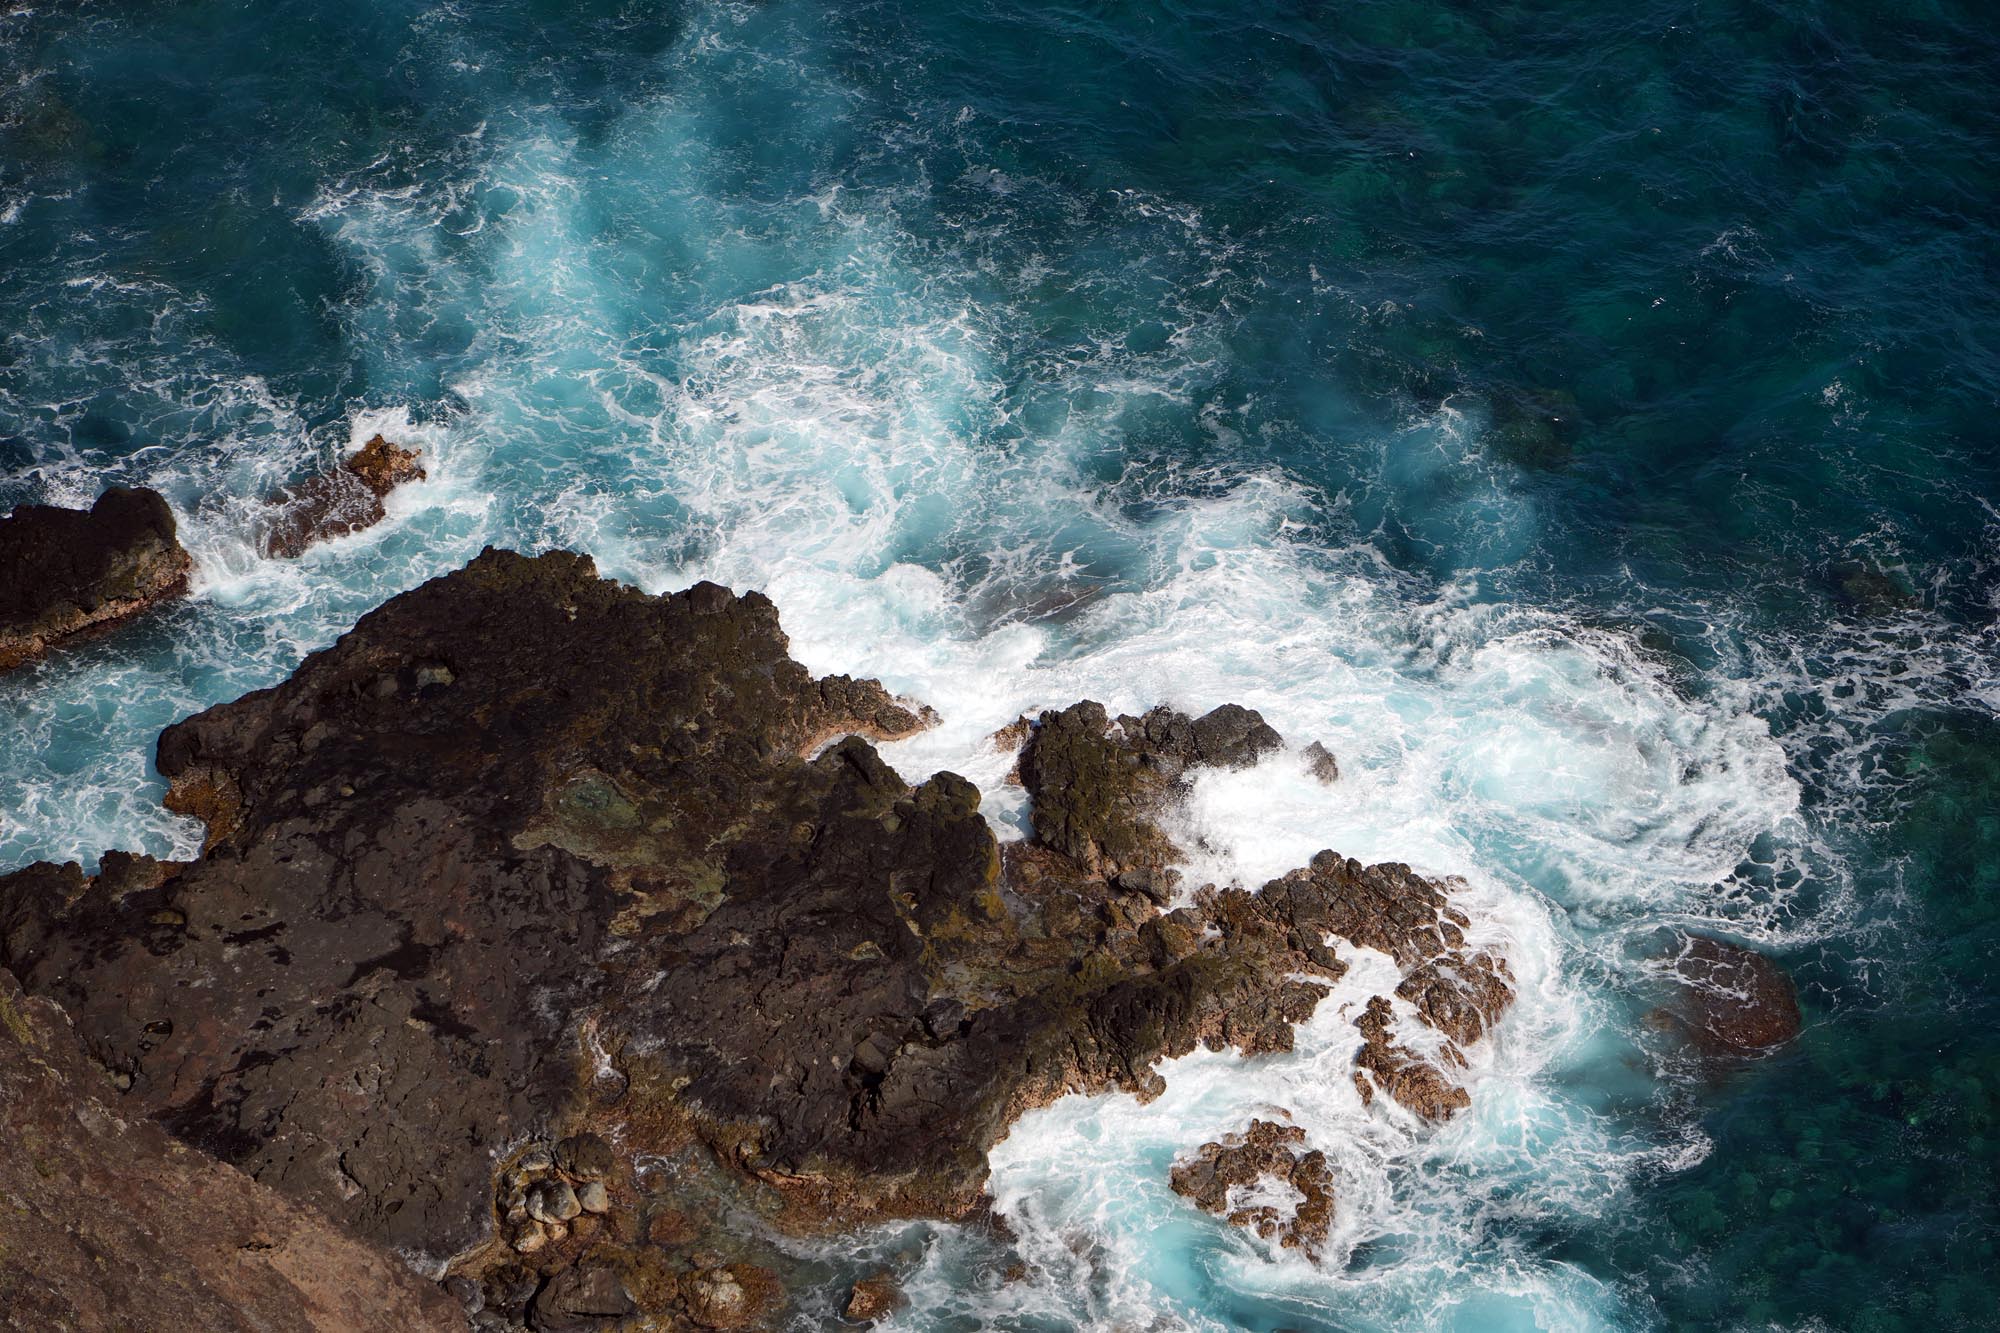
{"x":1582,"y":422}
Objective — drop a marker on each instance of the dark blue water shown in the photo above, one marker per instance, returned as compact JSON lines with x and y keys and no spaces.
{"x":1584,"y":421}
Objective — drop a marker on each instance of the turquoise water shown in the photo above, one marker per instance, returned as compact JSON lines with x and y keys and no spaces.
{"x":1581,"y":421}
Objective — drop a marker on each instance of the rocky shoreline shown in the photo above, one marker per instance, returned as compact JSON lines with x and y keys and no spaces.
{"x":576,"y":943}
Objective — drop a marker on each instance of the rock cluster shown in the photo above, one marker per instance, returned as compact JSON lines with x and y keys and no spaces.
{"x":66,"y":571}
{"x":346,"y":499}
{"x":545,"y":1192}
{"x":528,"y":854}
{"x":1220,"y":1174}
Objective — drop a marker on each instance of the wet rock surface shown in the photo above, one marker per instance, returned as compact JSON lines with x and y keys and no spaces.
{"x":345,"y":499}
{"x":106,"y":1221}
{"x":530,"y":858}
{"x":1221,"y":1174}
{"x":67,"y":571}
{"x":873,"y":1297}
{"x":1733,"y":1000}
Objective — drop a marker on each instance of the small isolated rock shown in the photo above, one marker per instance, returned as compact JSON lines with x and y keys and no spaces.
{"x":344,"y":500}
{"x":594,"y":1197}
{"x":1265,"y":1150}
{"x":585,"y":1157}
{"x":63,"y":571}
{"x":536,"y":1160}
{"x":1321,"y":763}
{"x":528,"y":1237}
{"x":553,"y":1201}
{"x":873,"y":1297}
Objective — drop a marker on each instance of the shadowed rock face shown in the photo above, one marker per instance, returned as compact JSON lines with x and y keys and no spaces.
{"x":65,"y":571}
{"x":111,"y":1223}
{"x":528,"y":853}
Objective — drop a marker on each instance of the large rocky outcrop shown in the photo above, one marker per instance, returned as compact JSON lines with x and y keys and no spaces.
{"x":529,"y":854}
{"x":65,"y":571}
{"x":108,"y":1222}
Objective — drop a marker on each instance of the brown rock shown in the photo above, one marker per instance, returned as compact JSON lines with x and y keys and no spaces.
{"x":522,"y":821}
{"x":1264,"y":1150}
{"x":585,"y":1157}
{"x":66,"y":571}
{"x":345,"y":500}
{"x":717,"y":1298}
{"x":874,"y":1297}
{"x":581,"y":1298}
{"x":1735,"y":1001}
{"x":1394,"y":1069}
{"x":1097,"y":785}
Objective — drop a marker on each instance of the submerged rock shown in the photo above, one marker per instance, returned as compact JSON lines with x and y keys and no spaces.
{"x":347,"y":499}
{"x":1734,"y":1000}
{"x":523,"y":824}
{"x":65,"y":571}
{"x":108,"y":1222}
{"x":1222,"y":1173}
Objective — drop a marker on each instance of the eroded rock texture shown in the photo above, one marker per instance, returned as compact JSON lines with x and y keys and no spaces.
{"x":529,"y":855}
{"x":1225,"y":1178}
{"x":108,"y":1222}
{"x":65,"y":571}
{"x":346,"y":499}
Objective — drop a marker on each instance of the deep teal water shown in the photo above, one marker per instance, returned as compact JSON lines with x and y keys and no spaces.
{"x":1582,"y":415}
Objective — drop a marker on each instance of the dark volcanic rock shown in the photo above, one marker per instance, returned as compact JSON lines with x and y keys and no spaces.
{"x":107,"y":1222}
{"x":1735,"y":1001}
{"x":1264,"y":1151}
{"x":429,"y":852}
{"x":347,"y":499}
{"x":63,"y":571}
{"x":1097,"y":785}
{"x":530,"y":855}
